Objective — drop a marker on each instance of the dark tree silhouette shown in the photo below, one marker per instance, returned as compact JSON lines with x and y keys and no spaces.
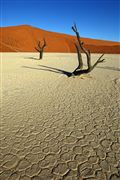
{"x":40,"y":48}
{"x":80,"y":47}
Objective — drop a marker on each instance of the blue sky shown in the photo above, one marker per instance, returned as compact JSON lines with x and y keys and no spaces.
{"x":97,"y":19}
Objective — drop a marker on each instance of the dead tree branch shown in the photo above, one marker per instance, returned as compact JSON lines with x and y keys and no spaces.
{"x":40,"y":48}
{"x":80,"y":62}
{"x":80,"y":47}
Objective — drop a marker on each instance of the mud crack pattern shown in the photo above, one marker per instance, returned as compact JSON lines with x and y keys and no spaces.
{"x":59,"y":128}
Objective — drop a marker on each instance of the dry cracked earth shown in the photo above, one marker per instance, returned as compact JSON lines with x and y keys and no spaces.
{"x":59,"y":128}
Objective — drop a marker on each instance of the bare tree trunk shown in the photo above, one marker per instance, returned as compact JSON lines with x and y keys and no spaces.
{"x":80,"y":62}
{"x":40,"y":49}
{"x":78,"y":70}
{"x":41,"y":54}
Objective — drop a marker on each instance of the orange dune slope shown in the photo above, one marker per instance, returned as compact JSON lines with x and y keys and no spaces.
{"x":24,"y":38}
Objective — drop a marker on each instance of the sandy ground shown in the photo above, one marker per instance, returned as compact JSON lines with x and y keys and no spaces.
{"x":54,"y":127}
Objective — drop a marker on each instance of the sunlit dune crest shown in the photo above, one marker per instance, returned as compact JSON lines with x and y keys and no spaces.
{"x":24,"y":39}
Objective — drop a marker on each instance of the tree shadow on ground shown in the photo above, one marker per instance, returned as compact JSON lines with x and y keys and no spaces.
{"x":61,"y":71}
{"x":70,"y":73}
{"x":109,"y":68}
{"x":31,"y":58}
{"x":50,"y":69}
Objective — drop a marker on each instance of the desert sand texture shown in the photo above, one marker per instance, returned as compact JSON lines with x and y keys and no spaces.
{"x":24,"y":38}
{"x":59,"y":128}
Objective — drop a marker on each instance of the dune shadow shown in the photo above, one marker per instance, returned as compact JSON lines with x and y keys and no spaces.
{"x":50,"y":69}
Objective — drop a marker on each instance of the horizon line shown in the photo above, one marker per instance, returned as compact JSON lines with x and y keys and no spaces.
{"x":58,"y":32}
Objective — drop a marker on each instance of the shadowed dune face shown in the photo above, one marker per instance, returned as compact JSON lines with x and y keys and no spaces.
{"x":24,"y":39}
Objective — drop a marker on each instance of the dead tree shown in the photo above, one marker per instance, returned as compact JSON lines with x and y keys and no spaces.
{"x":40,"y":48}
{"x":80,"y":47}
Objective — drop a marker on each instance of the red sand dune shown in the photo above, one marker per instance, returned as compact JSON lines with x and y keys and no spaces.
{"x":24,"y":38}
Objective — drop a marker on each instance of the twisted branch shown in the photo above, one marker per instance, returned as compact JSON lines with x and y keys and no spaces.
{"x":40,"y":48}
{"x":80,"y":47}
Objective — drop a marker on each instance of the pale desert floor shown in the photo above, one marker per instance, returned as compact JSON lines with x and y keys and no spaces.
{"x":59,"y":128}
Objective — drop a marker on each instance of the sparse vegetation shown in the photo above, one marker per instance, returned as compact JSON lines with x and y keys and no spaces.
{"x":40,"y":48}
